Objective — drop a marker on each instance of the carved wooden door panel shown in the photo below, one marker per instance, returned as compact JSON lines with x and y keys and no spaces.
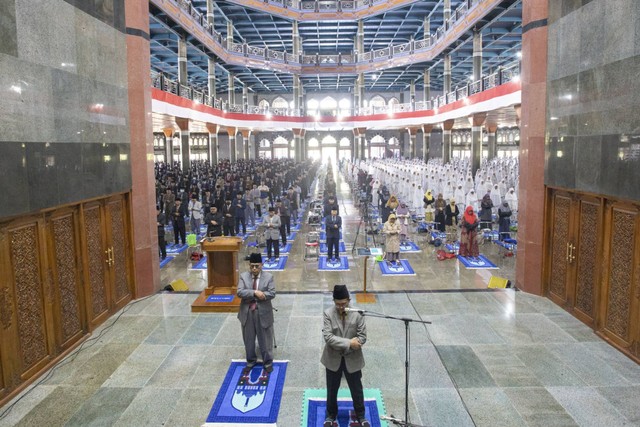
{"x":560,"y":228}
{"x":65,"y":266}
{"x":26,"y":301}
{"x":621,"y":291}
{"x":95,"y":263}
{"x":120,"y":251}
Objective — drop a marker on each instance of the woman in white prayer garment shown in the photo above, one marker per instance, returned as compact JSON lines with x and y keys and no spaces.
{"x":512,"y":198}
{"x":472,"y":200}
{"x":496,"y":198}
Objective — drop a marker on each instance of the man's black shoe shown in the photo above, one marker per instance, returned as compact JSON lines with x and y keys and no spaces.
{"x":246,"y":370}
{"x":268,"y":368}
{"x":328,"y":422}
{"x":364,"y":423}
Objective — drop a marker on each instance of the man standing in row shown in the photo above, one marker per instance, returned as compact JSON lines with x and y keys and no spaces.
{"x":272,"y":230}
{"x":333,"y":225}
{"x":179,"y":227}
{"x":256,"y":289}
{"x":213,"y":220}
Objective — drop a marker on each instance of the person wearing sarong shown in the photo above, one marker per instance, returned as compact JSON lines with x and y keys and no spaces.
{"x":469,"y":234}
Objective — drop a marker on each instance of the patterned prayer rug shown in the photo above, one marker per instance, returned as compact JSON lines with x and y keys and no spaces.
{"x":252,"y":399}
{"x":283,"y":249}
{"x":325,"y":264}
{"x":477,"y":263}
{"x":453,"y":247}
{"x":315,"y":404}
{"x":401,"y":268}
{"x":408,"y":247}
{"x":273,"y":265}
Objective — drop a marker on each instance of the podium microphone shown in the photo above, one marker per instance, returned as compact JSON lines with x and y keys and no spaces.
{"x":355,"y":309}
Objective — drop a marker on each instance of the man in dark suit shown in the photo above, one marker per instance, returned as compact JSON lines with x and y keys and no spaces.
{"x":161,"y":221}
{"x":256,"y":289}
{"x":344,"y":335}
{"x":333,"y":224}
{"x":213,"y":221}
{"x":179,"y":228}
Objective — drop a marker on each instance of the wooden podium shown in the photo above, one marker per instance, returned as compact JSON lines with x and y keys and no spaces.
{"x":222,"y":272}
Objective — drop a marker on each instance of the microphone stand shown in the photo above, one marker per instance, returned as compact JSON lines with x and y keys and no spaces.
{"x":407,"y":321}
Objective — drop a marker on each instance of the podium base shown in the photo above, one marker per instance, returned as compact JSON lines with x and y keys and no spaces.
{"x":201,"y":305}
{"x":366,"y":298}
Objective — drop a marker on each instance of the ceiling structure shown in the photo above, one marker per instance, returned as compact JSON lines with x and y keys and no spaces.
{"x":501,"y":32}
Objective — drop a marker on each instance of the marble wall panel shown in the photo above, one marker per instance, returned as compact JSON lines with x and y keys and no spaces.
{"x":110,"y":12}
{"x":591,"y":34}
{"x":619,"y":31}
{"x":8,"y":33}
{"x":15,"y":190}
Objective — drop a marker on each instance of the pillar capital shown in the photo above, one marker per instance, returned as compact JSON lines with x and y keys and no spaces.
{"x":413,"y":130}
{"x":213,"y":128}
{"x":299,"y":132}
{"x":427,"y":128}
{"x":168,"y":132}
{"x":359,"y":131}
{"x":477,"y":119}
{"x":447,"y":125}
{"x":232,"y":131}
{"x":518,"y":108}
{"x":183,"y":124}
{"x":245,"y":133}
{"x":491,"y":127}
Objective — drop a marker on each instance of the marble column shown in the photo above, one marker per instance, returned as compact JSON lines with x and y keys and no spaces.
{"x":185,"y":151}
{"x":231,"y":89}
{"x":356,"y":144}
{"x":295,"y":37}
{"x":362,"y":134}
{"x":477,"y":121}
{"x":168,"y":145}
{"x":229,"y":34}
{"x":210,"y":12}
{"x":492,"y":141}
{"x":426,"y":95}
{"x":211,"y":78}
{"x":446,"y":13}
{"x":183,"y":77}
{"x":531,"y":195}
{"x":213,"y":143}
{"x":245,"y":98}
{"x":426,"y":139}
{"x":143,"y":195}
{"x":447,"y":127}
{"x":298,"y":136}
{"x":447,"y":74}
{"x":296,"y":93}
{"x":411,"y":152}
{"x":412,"y":94}
{"x":246,"y":133}
{"x":477,"y":55}
{"x":231,"y":131}
{"x":427,"y":28}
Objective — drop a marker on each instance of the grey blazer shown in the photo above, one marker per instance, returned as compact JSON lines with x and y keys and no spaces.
{"x":337,"y":340}
{"x":245,"y":291}
{"x":272,"y":233}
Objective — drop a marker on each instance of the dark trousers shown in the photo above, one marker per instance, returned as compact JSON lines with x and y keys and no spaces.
{"x":258,"y":210}
{"x":333,"y":247}
{"x":273,"y":244}
{"x":355,"y":387}
{"x":228,"y":229}
{"x":241,"y":220}
{"x":179,"y":231}
{"x":286,"y":221}
{"x":283,"y":233}
{"x":162,"y":244}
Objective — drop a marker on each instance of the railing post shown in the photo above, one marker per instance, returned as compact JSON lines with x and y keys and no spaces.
{"x":499,"y":76}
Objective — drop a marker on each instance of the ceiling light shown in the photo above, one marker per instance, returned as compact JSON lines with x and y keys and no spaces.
{"x":519,"y":54}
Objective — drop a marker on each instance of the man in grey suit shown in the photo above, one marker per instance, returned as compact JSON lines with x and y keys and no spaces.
{"x":344,"y":335}
{"x":257,"y":289}
{"x":272,"y":232}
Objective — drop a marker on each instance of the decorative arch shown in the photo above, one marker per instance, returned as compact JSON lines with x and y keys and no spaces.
{"x":265,"y":143}
{"x":313,"y":142}
{"x":394,"y":141}
{"x":377,"y":101}
{"x":280,"y":140}
{"x":345,"y":142}
{"x":378,"y":139}
{"x":328,"y":103}
{"x":280,"y":102}
{"x":263,"y":104}
{"x":393,"y":101}
{"x":329,"y":140}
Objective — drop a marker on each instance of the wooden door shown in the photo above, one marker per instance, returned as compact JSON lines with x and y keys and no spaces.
{"x":65,"y":262}
{"x":120,"y":250}
{"x":619,"y":317}
{"x":574,"y":255}
{"x":27,"y":298}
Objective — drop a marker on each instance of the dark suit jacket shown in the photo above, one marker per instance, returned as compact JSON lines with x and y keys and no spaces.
{"x":245,"y":291}
{"x":331,"y":230}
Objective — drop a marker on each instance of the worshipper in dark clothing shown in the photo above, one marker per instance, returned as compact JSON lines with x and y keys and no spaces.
{"x":178,"y":213}
{"x":440,"y":218}
{"x":469,"y":234}
{"x":333,"y":224}
{"x":207,"y":200}
{"x":329,"y":205}
{"x":504,"y":221}
{"x":451,"y":213}
{"x":285,"y":219}
{"x":272,"y":226}
{"x":169,"y":202}
{"x":162,"y":243}
{"x":485,"y":212}
{"x":213,"y":220}
{"x":240,"y":207}
{"x":228,"y":213}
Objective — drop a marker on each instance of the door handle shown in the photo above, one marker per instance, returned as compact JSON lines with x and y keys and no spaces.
{"x":572,"y":257}
{"x":566,"y":257}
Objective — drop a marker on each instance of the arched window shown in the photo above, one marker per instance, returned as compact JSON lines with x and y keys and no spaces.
{"x":280,"y":140}
{"x":345,"y":142}
{"x":313,"y":142}
{"x":328,"y":140}
{"x":312,"y":107}
{"x":345,"y":107}
{"x":265,"y":143}
{"x":263,"y":104}
{"x":328,"y":105}
{"x":378,"y":139}
{"x":394,"y":141}
{"x":377,"y":101}
{"x":393,"y":101}
{"x":280,"y":102}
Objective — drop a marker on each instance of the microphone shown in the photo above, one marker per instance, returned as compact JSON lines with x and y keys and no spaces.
{"x":354,"y":309}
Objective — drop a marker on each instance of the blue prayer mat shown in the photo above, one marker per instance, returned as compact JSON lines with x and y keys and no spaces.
{"x":453,"y":247}
{"x":329,"y":265}
{"x":325,"y":249}
{"x":248,"y":399}
{"x":165,"y":261}
{"x":173,"y":249}
{"x":477,"y":263}
{"x":200,"y":265}
{"x":273,"y":265}
{"x":409,"y":247}
{"x":315,"y":406}
{"x":283,"y":249}
{"x":220,"y":298}
{"x":401,"y":268}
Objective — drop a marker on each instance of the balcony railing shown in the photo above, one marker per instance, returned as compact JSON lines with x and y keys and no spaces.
{"x":243,"y":50}
{"x":498,"y":78}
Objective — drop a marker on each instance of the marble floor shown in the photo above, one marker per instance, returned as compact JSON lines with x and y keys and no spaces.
{"x":489,"y":358}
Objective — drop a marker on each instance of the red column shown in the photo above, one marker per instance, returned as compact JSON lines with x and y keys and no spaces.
{"x":532,"y":138}
{"x":145,"y":231}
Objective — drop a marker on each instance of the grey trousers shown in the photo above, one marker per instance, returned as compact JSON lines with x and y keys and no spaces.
{"x":250,"y":331}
